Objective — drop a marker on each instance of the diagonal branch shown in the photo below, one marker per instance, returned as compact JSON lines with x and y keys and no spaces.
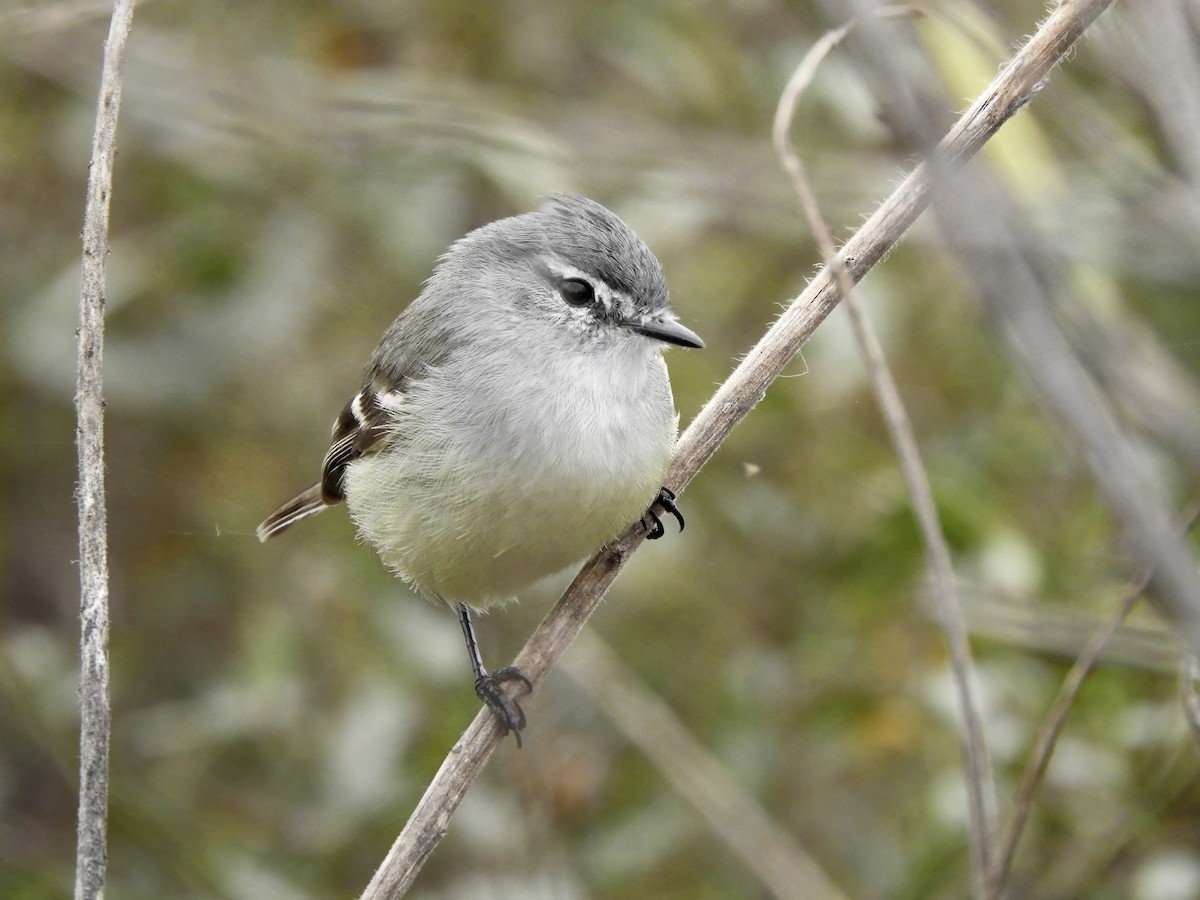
{"x":1010,"y":90}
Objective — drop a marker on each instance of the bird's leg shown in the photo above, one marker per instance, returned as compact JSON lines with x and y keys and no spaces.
{"x":489,"y":687}
{"x":665,"y":501}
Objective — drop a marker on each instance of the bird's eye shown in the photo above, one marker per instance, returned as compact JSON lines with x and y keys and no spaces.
{"x":577,"y":292}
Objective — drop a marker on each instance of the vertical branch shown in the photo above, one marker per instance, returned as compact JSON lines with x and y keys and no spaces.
{"x":981,"y":790}
{"x":92,"y":838}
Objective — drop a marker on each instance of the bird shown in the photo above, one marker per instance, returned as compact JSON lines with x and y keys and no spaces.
{"x":515,"y":417}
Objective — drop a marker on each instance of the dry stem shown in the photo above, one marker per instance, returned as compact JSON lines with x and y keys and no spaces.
{"x":1056,"y":718}
{"x":94,"y":707}
{"x":981,"y":788}
{"x":1011,"y":90}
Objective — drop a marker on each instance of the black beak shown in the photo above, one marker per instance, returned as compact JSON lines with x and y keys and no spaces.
{"x":667,"y":330}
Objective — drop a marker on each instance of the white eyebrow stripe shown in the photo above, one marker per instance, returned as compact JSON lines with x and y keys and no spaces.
{"x":390,"y":400}
{"x":605,"y":292}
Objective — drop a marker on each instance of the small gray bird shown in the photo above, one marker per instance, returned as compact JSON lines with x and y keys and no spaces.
{"x":515,"y":417}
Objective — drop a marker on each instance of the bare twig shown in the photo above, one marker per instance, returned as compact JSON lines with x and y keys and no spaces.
{"x":1011,"y":90}
{"x":1014,"y":277}
{"x":981,"y":788}
{"x":782,"y":865}
{"x":1056,"y":718}
{"x":94,"y":710}
{"x":1048,"y":737}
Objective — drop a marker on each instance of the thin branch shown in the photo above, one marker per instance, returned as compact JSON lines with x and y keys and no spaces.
{"x":981,"y":787}
{"x":785,"y":869}
{"x":1056,"y":718}
{"x":1047,"y":738}
{"x":1011,"y":90}
{"x":94,"y":709}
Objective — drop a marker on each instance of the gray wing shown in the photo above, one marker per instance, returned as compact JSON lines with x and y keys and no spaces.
{"x":359,"y":428}
{"x":420,"y":336}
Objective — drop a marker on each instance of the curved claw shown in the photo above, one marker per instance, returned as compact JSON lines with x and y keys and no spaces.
{"x":489,"y":689}
{"x":655,"y":531}
{"x":666,"y":502}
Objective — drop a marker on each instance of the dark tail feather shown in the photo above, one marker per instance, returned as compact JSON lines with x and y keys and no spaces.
{"x":299,"y":507}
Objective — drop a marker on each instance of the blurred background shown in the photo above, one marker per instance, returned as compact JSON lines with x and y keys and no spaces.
{"x":288,"y":173}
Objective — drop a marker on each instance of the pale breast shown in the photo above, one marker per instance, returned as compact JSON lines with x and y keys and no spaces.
{"x":484,"y":492}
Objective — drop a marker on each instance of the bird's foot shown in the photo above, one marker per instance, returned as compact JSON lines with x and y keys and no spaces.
{"x":490,"y":689}
{"x":652,"y":522}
